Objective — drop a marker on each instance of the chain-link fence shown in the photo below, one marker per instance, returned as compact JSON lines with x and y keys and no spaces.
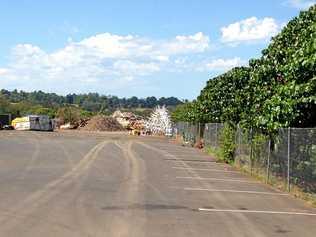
{"x":286,"y":158}
{"x":211,"y":135}
{"x":188,"y":131}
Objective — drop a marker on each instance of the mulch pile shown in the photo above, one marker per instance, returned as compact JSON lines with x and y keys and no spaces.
{"x":101,"y":123}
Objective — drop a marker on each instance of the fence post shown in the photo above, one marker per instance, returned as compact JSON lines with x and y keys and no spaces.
{"x":197,"y":136}
{"x":205,"y":136}
{"x":238,"y":140}
{"x":251,"y":161}
{"x":268,"y":161}
{"x":216,"y":135}
{"x":288,"y":157}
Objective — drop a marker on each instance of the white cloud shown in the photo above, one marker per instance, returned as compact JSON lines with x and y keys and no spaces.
{"x":301,"y":4}
{"x":127,"y":67}
{"x":98,"y":62}
{"x":185,"y":44}
{"x":115,"y":46}
{"x":250,"y":29}
{"x":220,"y":64}
{"x":161,"y":58}
{"x":214,"y":65}
{"x":3,"y":71}
{"x":224,"y":64}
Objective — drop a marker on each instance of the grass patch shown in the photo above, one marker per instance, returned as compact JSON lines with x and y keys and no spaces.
{"x":216,"y":153}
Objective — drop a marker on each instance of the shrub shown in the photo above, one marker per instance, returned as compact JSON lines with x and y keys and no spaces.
{"x":227,"y":143}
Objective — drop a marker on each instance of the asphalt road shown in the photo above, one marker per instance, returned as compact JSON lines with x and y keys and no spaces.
{"x":97,"y":184}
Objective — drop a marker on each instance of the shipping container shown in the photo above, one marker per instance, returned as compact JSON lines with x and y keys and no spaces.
{"x":5,"y":119}
{"x":33,"y":122}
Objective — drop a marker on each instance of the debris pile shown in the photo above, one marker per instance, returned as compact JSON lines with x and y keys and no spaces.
{"x":137,"y":124}
{"x":67,"y":126}
{"x":82,"y":123}
{"x":102,"y":123}
{"x":79,"y":124}
{"x":125,"y":118}
{"x":133,"y":123}
{"x":137,"y":127}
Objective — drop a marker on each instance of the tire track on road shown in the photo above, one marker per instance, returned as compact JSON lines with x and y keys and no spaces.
{"x":129,"y":221}
{"x":70,"y":161}
{"x":35,"y":155}
{"x":27,"y":164}
{"x":85,"y":213}
{"x":38,"y":198}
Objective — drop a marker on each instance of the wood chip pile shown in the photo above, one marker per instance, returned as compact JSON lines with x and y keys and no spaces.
{"x":102,"y":123}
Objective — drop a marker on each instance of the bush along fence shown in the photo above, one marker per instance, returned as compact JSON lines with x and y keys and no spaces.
{"x":286,"y":159}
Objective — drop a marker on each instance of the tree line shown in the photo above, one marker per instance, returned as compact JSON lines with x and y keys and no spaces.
{"x":91,"y":102}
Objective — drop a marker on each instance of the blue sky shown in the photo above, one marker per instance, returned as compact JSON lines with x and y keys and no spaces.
{"x":126,"y":48}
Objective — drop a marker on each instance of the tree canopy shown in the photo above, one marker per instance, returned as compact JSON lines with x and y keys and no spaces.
{"x":277,"y":90}
{"x":92,"y":102}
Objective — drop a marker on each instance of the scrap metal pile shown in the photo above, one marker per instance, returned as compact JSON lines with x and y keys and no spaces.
{"x":159,"y":122}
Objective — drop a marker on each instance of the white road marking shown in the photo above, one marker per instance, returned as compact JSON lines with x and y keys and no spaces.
{"x":199,"y":163}
{"x":193,"y":154}
{"x":204,"y":169}
{"x":216,"y":179}
{"x":258,"y":212}
{"x":236,"y":191}
{"x":202,"y":162}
